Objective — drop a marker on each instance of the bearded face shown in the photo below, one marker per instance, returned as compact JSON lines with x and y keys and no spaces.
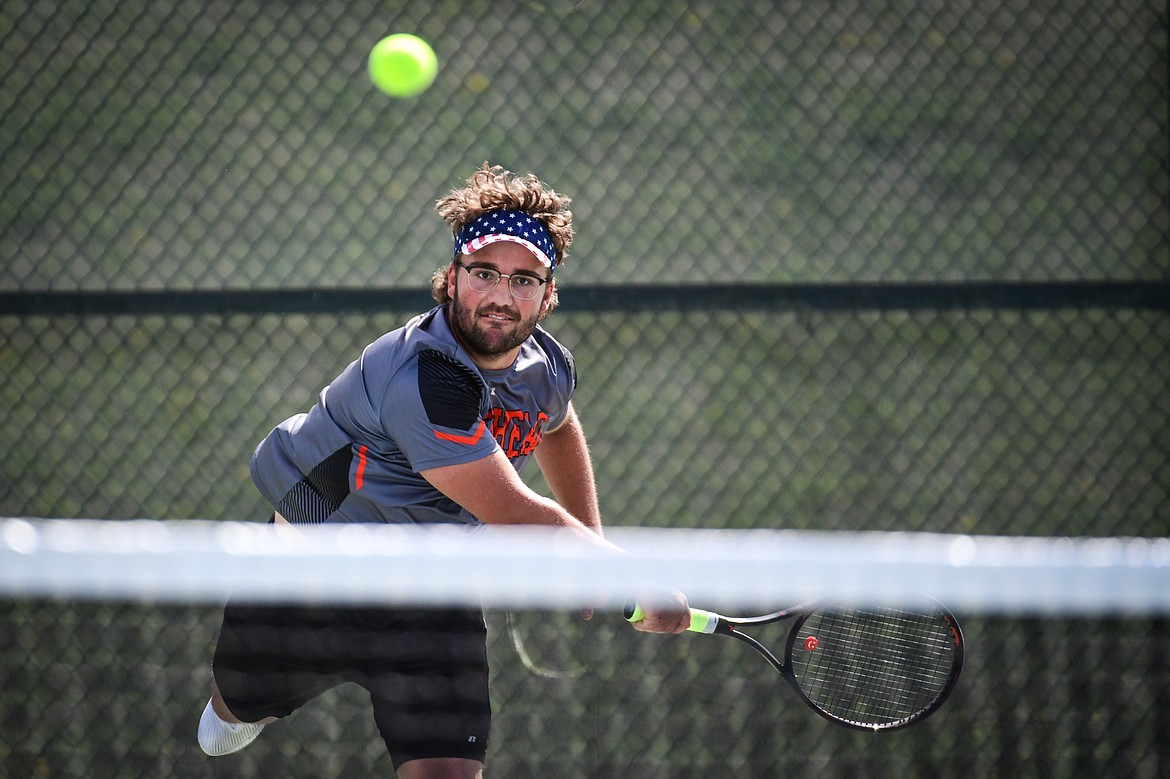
{"x":491,"y":325}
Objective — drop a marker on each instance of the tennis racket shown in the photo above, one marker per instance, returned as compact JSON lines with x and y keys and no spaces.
{"x":872,"y":669}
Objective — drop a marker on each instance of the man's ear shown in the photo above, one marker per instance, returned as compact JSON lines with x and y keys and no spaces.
{"x":452,"y":276}
{"x":549,"y":291}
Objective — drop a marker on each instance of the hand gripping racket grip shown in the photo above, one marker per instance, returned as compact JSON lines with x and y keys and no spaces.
{"x":701,"y":621}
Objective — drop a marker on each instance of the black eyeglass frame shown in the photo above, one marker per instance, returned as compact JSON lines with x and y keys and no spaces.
{"x":509,"y":276}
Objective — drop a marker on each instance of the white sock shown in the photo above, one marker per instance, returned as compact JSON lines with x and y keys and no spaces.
{"x":217,"y":737}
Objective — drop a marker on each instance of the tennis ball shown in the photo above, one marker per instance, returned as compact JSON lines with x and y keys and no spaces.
{"x":403,"y":65}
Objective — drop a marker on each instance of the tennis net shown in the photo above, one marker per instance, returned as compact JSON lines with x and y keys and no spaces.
{"x":527,"y":567}
{"x":107,"y":628}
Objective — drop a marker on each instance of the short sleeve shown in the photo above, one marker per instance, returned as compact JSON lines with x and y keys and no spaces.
{"x":560,"y":377}
{"x":433,"y":410}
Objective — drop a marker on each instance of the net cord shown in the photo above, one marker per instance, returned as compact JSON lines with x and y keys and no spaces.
{"x":522,"y":567}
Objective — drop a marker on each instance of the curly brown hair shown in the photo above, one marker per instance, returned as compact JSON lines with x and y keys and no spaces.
{"x":492,"y":188}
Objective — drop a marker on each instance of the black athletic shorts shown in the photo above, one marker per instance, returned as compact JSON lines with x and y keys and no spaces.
{"x":426,"y":670}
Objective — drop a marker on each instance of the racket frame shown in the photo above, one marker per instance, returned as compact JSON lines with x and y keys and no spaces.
{"x":712,"y":623}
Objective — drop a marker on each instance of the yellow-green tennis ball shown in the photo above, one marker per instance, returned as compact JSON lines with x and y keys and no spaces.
{"x":403,"y":65}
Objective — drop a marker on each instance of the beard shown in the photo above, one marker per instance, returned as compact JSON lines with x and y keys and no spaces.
{"x":486,"y":338}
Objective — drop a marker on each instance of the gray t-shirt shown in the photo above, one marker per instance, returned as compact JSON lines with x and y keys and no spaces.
{"x":414,"y":400}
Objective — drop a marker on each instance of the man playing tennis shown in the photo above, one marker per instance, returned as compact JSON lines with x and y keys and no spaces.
{"x":432,"y":423}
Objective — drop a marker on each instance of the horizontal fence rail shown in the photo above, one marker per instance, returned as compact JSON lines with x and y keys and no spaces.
{"x":877,"y":296}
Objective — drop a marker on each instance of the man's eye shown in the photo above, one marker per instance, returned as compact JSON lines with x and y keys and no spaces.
{"x":483,"y":275}
{"x":524,"y":281}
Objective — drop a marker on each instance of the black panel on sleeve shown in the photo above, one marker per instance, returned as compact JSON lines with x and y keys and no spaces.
{"x":450,"y":391}
{"x":315,"y":497}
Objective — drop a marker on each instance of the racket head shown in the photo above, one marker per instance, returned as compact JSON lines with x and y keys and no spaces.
{"x":875,"y":668}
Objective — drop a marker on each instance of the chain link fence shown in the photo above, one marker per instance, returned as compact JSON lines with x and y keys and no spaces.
{"x":195,"y":147}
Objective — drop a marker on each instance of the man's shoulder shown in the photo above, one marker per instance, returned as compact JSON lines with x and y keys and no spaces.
{"x":556,"y":356}
{"x":422,"y":333}
{"x":550,"y":345}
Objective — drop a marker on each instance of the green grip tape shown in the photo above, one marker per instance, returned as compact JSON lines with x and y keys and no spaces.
{"x":700,"y":621}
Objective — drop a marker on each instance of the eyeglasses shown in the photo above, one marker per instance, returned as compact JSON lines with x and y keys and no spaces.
{"x":524,"y":286}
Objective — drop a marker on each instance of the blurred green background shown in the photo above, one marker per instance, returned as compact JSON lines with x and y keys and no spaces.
{"x":209,"y":146}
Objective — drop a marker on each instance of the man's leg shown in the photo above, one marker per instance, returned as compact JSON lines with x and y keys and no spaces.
{"x":268,"y":662}
{"x":441,"y":768}
{"x":252,"y":640}
{"x":428,"y":683}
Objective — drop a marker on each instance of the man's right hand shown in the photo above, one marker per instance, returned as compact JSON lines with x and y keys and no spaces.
{"x":665,"y":614}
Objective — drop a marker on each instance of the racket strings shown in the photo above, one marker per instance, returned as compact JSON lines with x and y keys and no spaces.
{"x":873,"y":667}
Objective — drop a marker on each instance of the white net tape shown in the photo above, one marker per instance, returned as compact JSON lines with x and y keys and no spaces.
{"x":147,"y":560}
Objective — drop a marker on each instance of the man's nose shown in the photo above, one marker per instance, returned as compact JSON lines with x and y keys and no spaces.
{"x":502,"y":292}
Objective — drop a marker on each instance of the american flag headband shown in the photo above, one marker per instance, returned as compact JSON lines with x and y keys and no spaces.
{"x":507,"y":225}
